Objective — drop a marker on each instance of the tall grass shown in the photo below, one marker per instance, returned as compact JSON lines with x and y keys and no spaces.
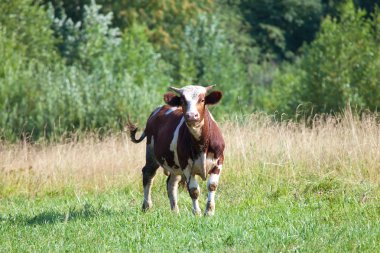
{"x":345,"y":147}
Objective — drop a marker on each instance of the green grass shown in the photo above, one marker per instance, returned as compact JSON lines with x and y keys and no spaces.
{"x":254,"y":213}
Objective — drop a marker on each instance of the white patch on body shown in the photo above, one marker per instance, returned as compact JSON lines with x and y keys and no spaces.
{"x":211,"y":161}
{"x":202,"y":165}
{"x":187,"y":173}
{"x":174,"y":143}
{"x":214,"y":178}
{"x":169,"y":170}
{"x":156,"y":111}
{"x":193,"y":183}
{"x":196,"y":131}
{"x":199,"y":166}
{"x":172,"y":109}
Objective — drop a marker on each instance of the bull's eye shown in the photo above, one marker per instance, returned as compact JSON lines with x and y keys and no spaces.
{"x":202,"y":100}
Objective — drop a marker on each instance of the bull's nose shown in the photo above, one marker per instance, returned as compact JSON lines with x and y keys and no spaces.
{"x":192,"y":116}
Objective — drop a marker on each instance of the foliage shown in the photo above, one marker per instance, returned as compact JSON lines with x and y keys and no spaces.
{"x":333,"y":72}
{"x":165,"y":19}
{"x":207,"y":57}
{"x":108,"y":78}
{"x":283,"y":93}
{"x":76,"y":65}
{"x":280,"y":27}
{"x":343,"y":69}
{"x":368,"y":5}
{"x":29,"y":24}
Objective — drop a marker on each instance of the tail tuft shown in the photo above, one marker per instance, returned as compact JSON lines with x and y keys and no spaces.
{"x":132,"y":129}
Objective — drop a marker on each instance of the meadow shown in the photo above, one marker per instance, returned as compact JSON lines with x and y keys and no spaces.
{"x":309,"y":186}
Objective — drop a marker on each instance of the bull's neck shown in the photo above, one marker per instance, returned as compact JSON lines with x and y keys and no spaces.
{"x":200,"y":133}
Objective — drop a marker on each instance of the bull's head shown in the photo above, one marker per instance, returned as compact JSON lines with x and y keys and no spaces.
{"x":193,"y":100}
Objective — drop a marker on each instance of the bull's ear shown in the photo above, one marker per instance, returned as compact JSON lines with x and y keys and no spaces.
{"x":214,"y":97}
{"x":172,"y":99}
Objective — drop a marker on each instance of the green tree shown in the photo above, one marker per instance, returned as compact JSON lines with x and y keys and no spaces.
{"x":112,"y":75}
{"x":368,"y":5}
{"x":281,"y":27}
{"x":30,"y":25}
{"x":207,"y":57}
{"x":342,"y":64}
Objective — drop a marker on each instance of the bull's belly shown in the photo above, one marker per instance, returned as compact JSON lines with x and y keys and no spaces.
{"x":200,"y":166}
{"x":175,"y":170}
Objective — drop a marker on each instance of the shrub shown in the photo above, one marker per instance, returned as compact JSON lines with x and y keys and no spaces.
{"x":207,"y":57}
{"x":342,"y":65}
{"x":111,"y":76}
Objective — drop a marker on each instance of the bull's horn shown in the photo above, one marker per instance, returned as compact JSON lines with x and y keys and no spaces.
{"x":179,"y":91}
{"x":208,"y":88}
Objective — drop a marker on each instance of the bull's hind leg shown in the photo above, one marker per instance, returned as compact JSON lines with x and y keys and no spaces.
{"x":212,"y":185}
{"x":148,"y":177}
{"x":149,"y":171}
{"x":172,"y":187}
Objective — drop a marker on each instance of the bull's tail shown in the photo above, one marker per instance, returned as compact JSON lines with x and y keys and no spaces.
{"x":132,"y":129}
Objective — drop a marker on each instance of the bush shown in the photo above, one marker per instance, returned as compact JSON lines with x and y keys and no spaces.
{"x":111,"y":76}
{"x":281,"y":27}
{"x":339,"y":68}
{"x":207,"y":57}
{"x":283,"y":95}
{"x":342,"y":65}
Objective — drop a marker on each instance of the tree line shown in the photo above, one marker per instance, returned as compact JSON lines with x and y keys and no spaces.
{"x":84,"y":65}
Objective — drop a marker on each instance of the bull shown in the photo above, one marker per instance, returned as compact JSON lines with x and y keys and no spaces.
{"x":185,"y":140}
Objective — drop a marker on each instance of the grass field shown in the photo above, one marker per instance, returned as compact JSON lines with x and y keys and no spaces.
{"x":284,"y":187}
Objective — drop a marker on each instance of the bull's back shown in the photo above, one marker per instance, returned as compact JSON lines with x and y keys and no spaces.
{"x":160,"y":130}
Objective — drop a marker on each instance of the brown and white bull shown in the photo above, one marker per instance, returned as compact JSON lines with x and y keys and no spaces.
{"x":184,"y":139}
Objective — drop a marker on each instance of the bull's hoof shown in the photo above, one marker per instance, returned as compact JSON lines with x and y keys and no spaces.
{"x":175,"y":209}
{"x":210,"y":209}
{"x":197,"y":212}
{"x":146,"y":206}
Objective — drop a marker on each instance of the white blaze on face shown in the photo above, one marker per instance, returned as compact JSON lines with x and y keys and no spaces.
{"x":191,"y":95}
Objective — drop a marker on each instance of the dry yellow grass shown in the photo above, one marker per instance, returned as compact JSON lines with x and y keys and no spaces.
{"x":88,"y":163}
{"x":343,"y":147}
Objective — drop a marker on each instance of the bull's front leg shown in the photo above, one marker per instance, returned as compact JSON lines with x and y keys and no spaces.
{"x":212,"y":185}
{"x":194,"y":191}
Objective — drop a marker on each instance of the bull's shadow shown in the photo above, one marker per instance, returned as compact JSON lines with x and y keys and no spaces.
{"x":87,"y":211}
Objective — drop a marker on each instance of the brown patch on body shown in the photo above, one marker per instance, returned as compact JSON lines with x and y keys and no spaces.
{"x":215,"y":170}
{"x":194,"y":193}
{"x":212,"y":187}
